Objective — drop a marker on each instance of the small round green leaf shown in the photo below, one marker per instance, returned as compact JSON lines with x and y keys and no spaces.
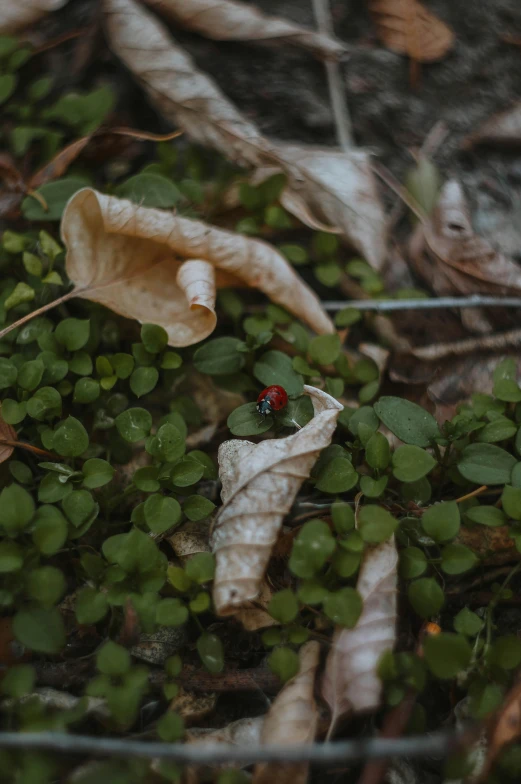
{"x":426,"y":597}
{"x":411,"y":463}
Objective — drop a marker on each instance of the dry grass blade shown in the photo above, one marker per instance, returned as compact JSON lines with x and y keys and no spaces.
{"x":501,"y":129}
{"x":407,"y":27}
{"x":292,"y":718}
{"x":155,"y":267}
{"x":340,"y":188}
{"x":17,"y":14}
{"x":182,"y":94}
{"x":228,"y":20}
{"x":7,"y":438}
{"x":351,"y":681}
{"x":259,"y":484}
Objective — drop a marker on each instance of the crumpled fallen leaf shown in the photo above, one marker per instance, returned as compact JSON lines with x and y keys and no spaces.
{"x":228,"y":20}
{"x":502,"y":129}
{"x":453,"y":260}
{"x":259,"y":484}
{"x":351,"y":682}
{"x":155,"y":267}
{"x":493,"y":546}
{"x":17,"y":14}
{"x":324,"y":184}
{"x":7,"y":434}
{"x":193,"y":707}
{"x":243,"y":732}
{"x":183,"y":94}
{"x":253,"y":616}
{"x":292,"y":719}
{"x":407,"y":27}
{"x":189,"y":539}
{"x":340,"y":188}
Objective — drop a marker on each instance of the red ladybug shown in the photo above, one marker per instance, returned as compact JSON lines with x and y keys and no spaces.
{"x":271,"y":399}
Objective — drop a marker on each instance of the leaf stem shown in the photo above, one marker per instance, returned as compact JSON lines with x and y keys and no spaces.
{"x":29,"y":447}
{"x":37,"y":312}
{"x":334,"y":79}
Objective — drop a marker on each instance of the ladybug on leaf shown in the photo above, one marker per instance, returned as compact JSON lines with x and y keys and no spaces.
{"x":272,"y":399}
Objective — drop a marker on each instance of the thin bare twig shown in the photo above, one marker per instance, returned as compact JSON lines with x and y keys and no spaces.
{"x":498,"y":341}
{"x":436,"y":303}
{"x":437,"y":744}
{"x":334,"y":79}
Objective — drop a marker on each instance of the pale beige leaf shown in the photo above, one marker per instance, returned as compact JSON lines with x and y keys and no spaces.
{"x":325,"y":186}
{"x":134,"y":260}
{"x":243,"y":732}
{"x":260,"y":482}
{"x":340,"y":189}
{"x":182,"y":94}
{"x":292,"y":719}
{"x":452,"y":259}
{"x":7,"y":433}
{"x":17,"y":14}
{"x":190,"y":538}
{"x":407,"y":27}
{"x":351,"y":682}
{"x":228,"y":20}
{"x":501,"y":129}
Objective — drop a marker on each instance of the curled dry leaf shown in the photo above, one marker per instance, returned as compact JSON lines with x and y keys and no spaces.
{"x":453,"y":260}
{"x":8,"y":438}
{"x":155,"y":267}
{"x":190,"y":539}
{"x":351,"y":681}
{"x":340,"y":189}
{"x":182,"y":94}
{"x":259,"y":484}
{"x":501,"y":129}
{"x":324,"y":185}
{"x":193,"y":707}
{"x":228,"y":20}
{"x":407,"y":27}
{"x":243,"y":732}
{"x":292,"y":719}
{"x":17,"y":15}
{"x":253,"y":615}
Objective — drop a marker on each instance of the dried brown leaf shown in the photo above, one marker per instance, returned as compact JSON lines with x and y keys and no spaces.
{"x":8,"y":438}
{"x":501,"y":129}
{"x":407,"y":27}
{"x":325,"y":185}
{"x":494,"y":546}
{"x":228,"y":20}
{"x":155,"y":267}
{"x":340,"y":189}
{"x":453,"y":260}
{"x":243,"y":732}
{"x":292,"y":719}
{"x":190,"y":539}
{"x":253,"y":615}
{"x":351,"y":681}
{"x":17,"y":14}
{"x":193,"y":707}
{"x":182,"y":94}
{"x":259,"y":484}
